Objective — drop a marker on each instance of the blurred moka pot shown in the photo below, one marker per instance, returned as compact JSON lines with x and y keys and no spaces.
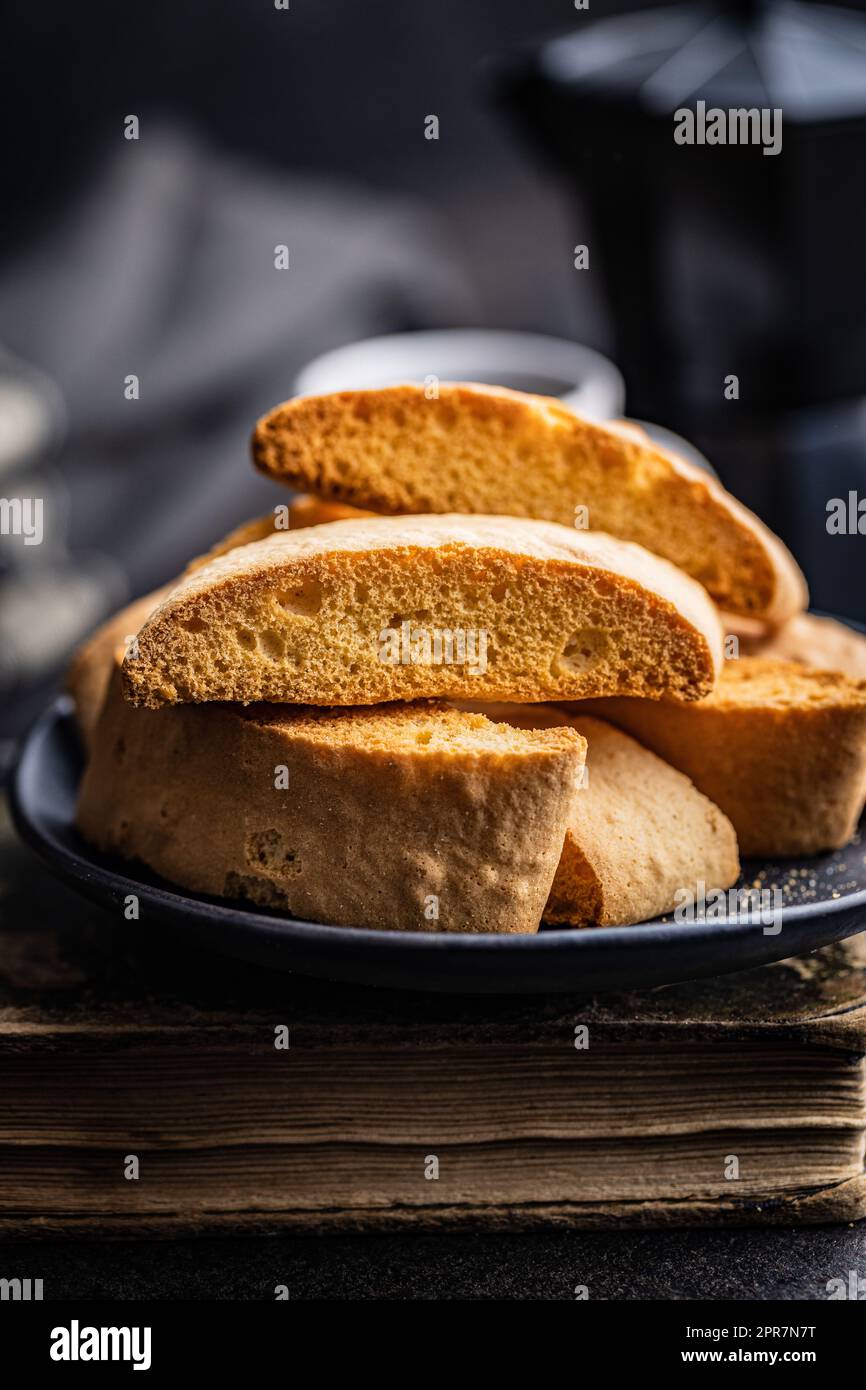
{"x":730,"y":244}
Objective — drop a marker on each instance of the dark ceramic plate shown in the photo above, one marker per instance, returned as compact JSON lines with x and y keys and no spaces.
{"x":823,"y":900}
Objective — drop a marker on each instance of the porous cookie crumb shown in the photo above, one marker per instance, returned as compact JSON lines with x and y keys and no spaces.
{"x":484,"y":449}
{"x":332,"y":615}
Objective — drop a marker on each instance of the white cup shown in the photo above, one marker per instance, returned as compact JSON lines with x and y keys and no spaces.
{"x":584,"y":380}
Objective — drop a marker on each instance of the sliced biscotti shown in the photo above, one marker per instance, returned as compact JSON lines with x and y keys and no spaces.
{"x":408,"y":817}
{"x":823,"y":643}
{"x":489,"y":450}
{"x":394,"y":608}
{"x":781,"y":748}
{"x":89,"y":670}
{"x":640,"y":836}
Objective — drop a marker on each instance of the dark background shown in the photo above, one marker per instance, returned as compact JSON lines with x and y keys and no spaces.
{"x":335,"y":89}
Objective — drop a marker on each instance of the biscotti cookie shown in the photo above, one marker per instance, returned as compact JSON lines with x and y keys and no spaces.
{"x":89,"y":670}
{"x":485,"y":449}
{"x":823,"y":643}
{"x":405,"y":818}
{"x":781,"y":748}
{"x":394,"y":608}
{"x":640,"y":833}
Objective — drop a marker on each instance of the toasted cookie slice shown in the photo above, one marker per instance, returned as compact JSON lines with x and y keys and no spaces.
{"x":640,"y":836}
{"x":781,"y":748}
{"x":485,"y":449}
{"x":394,"y":608}
{"x":404,"y":818}
{"x":90,"y":668}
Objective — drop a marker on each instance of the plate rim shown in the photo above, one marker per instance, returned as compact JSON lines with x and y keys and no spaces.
{"x":179,"y":903}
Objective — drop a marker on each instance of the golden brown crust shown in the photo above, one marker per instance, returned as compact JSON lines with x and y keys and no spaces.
{"x":485,"y":449}
{"x":640,"y":832}
{"x":345,"y":613}
{"x":90,"y":668}
{"x":781,"y":748}
{"x":411,"y":817}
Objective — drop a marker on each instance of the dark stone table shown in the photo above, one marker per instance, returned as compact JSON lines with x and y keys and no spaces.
{"x":747,"y":1264}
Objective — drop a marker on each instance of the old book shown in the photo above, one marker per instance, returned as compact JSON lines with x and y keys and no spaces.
{"x":149,"y":1088}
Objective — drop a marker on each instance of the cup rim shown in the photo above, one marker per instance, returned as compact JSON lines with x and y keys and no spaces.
{"x":593,"y":385}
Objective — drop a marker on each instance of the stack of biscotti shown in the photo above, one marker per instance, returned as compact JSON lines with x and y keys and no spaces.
{"x":287,"y":723}
{"x":780,"y":745}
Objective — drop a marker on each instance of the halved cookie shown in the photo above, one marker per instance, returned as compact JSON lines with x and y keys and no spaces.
{"x":482,"y":449}
{"x":641,"y":837}
{"x":406,"y":818}
{"x":781,"y":748}
{"x":90,"y":668}
{"x":392,"y":608}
